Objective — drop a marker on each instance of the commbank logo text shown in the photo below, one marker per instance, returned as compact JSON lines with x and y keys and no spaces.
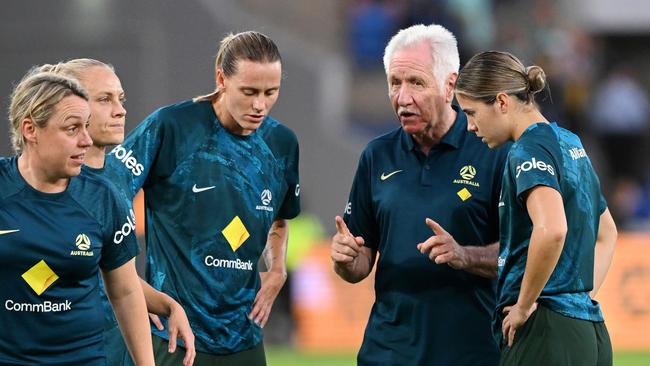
{"x":211,"y":261}
{"x":44,"y":307}
{"x":129,"y":161}
{"x":534,"y":164}
{"x":126,"y":229}
{"x":39,"y":278}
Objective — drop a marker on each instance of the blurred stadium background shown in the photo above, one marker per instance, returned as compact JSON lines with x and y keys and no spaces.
{"x":596,"y":54}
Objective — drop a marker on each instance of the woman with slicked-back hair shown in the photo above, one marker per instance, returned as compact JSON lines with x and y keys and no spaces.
{"x":220,"y":178}
{"x":106,"y":127}
{"x":58,"y":226}
{"x":557,"y":236}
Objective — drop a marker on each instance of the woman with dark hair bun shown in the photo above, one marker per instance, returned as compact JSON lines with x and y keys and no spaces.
{"x":557,"y":236}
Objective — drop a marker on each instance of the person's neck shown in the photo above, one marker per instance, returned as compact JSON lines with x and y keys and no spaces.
{"x":95,"y":156}
{"x":37,"y":176}
{"x":227,"y":120}
{"x":433,"y":134}
{"x":525,"y":120}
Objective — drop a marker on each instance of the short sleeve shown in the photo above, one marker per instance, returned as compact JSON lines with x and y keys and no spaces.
{"x":602,"y":204}
{"x":500,"y":161}
{"x":291,"y":205}
{"x":120,"y":242}
{"x":533,"y":166}
{"x":129,"y":164}
{"x":358,"y":213}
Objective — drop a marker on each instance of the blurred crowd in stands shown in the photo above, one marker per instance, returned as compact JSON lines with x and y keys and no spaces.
{"x":599,"y":95}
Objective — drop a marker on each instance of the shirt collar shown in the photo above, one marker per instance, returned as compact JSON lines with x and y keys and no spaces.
{"x":553,"y":125}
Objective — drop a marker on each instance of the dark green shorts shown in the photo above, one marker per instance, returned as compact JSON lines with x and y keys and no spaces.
{"x":549,"y":339}
{"x":250,"y":357}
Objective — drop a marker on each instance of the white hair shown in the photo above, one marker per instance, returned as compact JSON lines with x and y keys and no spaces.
{"x":444,"y":49}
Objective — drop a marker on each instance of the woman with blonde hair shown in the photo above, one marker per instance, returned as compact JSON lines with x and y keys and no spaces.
{"x":107,"y":122}
{"x":57,"y":229}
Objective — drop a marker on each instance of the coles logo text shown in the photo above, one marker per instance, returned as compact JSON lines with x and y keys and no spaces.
{"x":534,"y":164}
{"x":129,"y":161}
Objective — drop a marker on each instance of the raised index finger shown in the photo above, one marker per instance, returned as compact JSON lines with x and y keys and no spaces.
{"x":437,"y":229}
{"x":341,"y":227}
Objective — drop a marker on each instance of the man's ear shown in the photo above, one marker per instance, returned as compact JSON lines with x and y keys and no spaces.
{"x":449,"y":87}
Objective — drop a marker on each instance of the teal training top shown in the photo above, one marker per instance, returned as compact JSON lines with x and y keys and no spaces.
{"x":551,"y":156}
{"x":51,"y":247}
{"x":425,"y":313}
{"x":210,"y":199}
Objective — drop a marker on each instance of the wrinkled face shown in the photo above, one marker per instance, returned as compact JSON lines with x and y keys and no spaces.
{"x":107,"y":113}
{"x":248,"y":95}
{"x":60,"y":146}
{"x":415,"y":94}
{"x":486,"y":120}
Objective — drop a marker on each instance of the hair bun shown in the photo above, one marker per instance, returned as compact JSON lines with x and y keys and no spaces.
{"x":536,"y":79}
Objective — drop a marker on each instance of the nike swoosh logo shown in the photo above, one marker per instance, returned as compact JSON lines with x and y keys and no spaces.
{"x":386,"y":176}
{"x":2,"y":232}
{"x":196,"y":189}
